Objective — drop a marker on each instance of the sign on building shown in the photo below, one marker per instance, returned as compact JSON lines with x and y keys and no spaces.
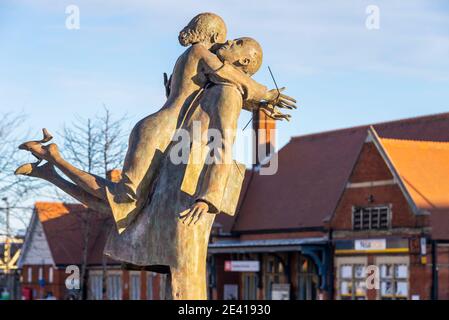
{"x":242,"y":265}
{"x":370,"y":244}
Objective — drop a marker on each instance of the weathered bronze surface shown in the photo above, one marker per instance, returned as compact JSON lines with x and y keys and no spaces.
{"x":163,"y":208}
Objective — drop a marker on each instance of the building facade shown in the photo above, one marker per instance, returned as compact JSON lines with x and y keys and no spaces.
{"x":358,"y":213}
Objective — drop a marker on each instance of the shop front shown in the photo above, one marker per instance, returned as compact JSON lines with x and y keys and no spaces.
{"x":378,"y":269}
{"x":280,"y":269}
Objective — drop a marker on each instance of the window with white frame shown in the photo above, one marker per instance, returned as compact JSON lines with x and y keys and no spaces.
{"x":352,"y":282}
{"x":96,"y":286}
{"x":41,"y":273}
{"x":371,"y":218}
{"x":114,"y":286}
{"x":150,"y":277}
{"x":134,"y":293}
{"x":393,"y":281}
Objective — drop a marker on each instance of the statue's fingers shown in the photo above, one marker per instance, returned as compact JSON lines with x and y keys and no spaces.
{"x":270,"y":113}
{"x":286,"y":97}
{"x":283,"y":105}
{"x":192,"y":217}
{"x":187,"y":216}
{"x":264,"y":111}
{"x":267,"y":112}
{"x":287,"y":105}
{"x":198,"y":216}
{"x":281,"y":116}
{"x":270,"y":108}
{"x":287,"y":100}
{"x":181,"y":216}
{"x":274,"y":115}
{"x":278,"y":118}
{"x":184,"y":219}
{"x":276,"y":93}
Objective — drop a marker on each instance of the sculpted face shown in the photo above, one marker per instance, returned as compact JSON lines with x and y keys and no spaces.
{"x":207,"y":28}
{"x":245,"y":53}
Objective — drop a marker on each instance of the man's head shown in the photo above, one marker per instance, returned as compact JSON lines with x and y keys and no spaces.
{"x":206,"y":28}
{"x":245,"y":53}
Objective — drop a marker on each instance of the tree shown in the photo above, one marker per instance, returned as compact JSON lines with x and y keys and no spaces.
{"x":96,"y":145}
{"x":15,"y":190}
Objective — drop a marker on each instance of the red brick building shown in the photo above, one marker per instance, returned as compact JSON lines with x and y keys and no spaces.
{"x":341,"y":203}
{"x":56,"y":238}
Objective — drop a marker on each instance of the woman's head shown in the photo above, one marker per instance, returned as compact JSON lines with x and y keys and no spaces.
{"x":207,"y":28}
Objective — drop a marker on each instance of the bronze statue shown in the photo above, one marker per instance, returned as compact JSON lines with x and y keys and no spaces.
{"x":164,"y":208}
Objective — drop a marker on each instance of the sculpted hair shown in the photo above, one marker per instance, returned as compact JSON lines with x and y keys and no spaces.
{"x":210,"y":24}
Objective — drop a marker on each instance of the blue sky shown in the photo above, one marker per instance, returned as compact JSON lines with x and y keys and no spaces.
{"x":342,"y":73}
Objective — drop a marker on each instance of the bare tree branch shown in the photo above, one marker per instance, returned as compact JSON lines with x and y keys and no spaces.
{"x":17,"y":189}
{"x":95,"y":145}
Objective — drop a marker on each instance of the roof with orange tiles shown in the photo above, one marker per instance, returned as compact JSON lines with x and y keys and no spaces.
{"x":51,"y":210}
{"x":423,"y":166}
{"x":423,"y":169}
{"x":65,"y":226}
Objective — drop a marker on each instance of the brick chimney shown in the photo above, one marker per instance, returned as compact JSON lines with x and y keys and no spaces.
{"x":264,"y":129}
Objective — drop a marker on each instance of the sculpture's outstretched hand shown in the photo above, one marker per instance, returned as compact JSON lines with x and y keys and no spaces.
{"x":277,"y":98}
{"x":273,"y":112}
{"x":195,"y":212}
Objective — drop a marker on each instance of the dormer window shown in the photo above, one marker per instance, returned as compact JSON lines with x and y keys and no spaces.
{"x":371,"y":218}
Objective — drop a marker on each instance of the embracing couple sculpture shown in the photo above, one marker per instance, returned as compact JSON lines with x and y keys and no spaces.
{"x":164,"y":209}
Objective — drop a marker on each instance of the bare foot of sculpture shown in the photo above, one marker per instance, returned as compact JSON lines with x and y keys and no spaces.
{"x":33,"y":170}
{"x":49,"y":152}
